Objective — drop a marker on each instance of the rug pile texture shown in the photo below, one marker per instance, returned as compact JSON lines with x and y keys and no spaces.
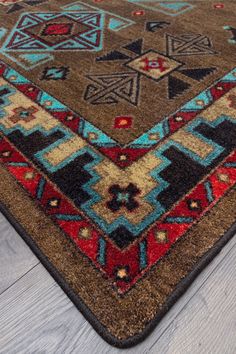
{"x":117,"y":148}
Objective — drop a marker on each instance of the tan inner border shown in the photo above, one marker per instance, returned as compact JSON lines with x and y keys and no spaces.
{"x":122,"y":316}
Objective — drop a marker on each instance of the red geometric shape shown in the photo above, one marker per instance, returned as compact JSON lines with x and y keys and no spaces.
{"x":218,"y":6}
{"x":138,"y":13}
{"x":123,"y":157}
{"x":152,"y":64}
{"x":57,"y":29}
{"x":123,"y":122}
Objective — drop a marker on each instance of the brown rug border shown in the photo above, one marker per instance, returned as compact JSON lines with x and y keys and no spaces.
{"x":180,"y":289}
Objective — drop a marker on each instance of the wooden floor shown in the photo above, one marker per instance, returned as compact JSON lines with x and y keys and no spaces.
{"x":37,"y":317}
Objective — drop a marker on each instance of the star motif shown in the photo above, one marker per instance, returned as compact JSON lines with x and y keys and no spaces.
{"x":85,"y":233}
{"x":161,"y":236}
{"x":29,"y":175}
{"x":53,"y":202}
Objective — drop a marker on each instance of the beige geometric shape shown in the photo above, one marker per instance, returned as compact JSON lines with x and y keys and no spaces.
{"x":223,"y":106}
{"x":223,"y":177}
{"x":64,"y":150}
{"x":41,"y":117}
{"x":111,"y":174}
{"x":192,"y":143}
{"x":154,"y":64}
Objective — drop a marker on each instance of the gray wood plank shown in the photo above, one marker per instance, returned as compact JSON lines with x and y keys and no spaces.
{"x":37,"y":317}
{"x":207,"y":324}
{"x":15,"y":256}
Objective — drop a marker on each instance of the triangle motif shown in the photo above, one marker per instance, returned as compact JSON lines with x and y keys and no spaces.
{"x":176,"y":87}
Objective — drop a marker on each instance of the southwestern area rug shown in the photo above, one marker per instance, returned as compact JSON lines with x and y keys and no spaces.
{"x":117,"y":147}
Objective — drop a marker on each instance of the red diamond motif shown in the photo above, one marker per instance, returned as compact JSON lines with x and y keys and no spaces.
{"x":123,"y":122}
{"x":57,"y":29}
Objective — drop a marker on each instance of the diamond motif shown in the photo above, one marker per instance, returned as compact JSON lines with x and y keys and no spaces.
{"x":55,"y":73}
{"x":57,"y":31}
{"x":123,"y":122}
{"x":154,"y":65}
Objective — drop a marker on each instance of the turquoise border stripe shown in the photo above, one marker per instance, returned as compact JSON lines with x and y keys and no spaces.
{"x":143,"y":254}
{"x":102,"y":251}
{"x":40,"y":188}
{"x":208,"y":188}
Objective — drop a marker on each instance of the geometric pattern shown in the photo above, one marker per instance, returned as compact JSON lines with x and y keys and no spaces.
{"x":138,"y":258}
{"x":55,"y":73}
{"x":3,"y":31}
{"x":114,"y":21}
{"x":233,"y":31}
{"x":117,"y":130}
{"x":121,"y":224}
{"x":172,"y":8}
{"x":108,"y":89}
{"x":176,"y":83}
{"x":112,"y":88}
{"x":154,"y":64}
{"x":153,"y":26}
{"x":188,"y":44}
{"x":127,"y":155}
{"x":17,"y":5}
{"x":36,"y":35}
{"x":56,"y":31}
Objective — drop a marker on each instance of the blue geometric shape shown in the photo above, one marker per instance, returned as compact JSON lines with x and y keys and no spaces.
{"x":5,"y":92}
{"x":143,"y":254}
{"x":91,"y":36}
{"x":71,"y":45}
{"x":75,"y":7}
{"x":27,"y":22}
{"x":194,"y":105}
{"x":116,"y":22}
{"x":40,"y":188}
{"x":35,"y":57}
{"x":172,"y":8}
{"x":47,"y":16}
{"x":3,"y":31}
{"x":102,"y":251}
{"x":179,"y":220}
{"x":208,"y":187}
{"x":55,"y":73}
{"x":28,"y":63}
{"x":160,"y":130}
{"x":100,"y":138}
{"x":176,"y":6}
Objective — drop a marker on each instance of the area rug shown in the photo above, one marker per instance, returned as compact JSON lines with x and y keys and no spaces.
{"x":117,"y":146}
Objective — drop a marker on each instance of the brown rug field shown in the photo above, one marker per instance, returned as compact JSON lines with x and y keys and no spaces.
{"x":118,"y":148}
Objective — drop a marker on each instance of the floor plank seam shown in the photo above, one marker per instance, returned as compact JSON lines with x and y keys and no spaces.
{"x":22,"y":276}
